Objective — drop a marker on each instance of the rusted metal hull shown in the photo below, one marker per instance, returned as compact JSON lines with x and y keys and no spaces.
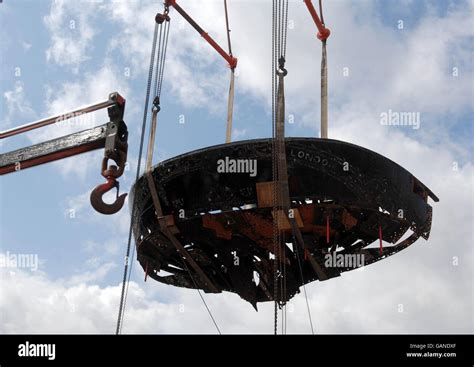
{"x":344,"y":197}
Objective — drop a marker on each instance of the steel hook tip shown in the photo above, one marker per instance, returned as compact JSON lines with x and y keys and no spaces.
{"x":99,"y":191}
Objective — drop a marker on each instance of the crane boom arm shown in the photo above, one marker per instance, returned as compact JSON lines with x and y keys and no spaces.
{"x":228,"y":57}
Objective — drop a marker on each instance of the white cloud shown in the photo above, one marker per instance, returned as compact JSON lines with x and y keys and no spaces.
{"x":99,"y":272}
{"x":18,"y":106}
{"x":358,"y":302}
{"x":425,"y":78}
{"x":110,"y":246}
{"x":79,"y":207}
{"x":26,"y":46}
{"x":92,"y":87}
{"x":75,"y":206}
{"x":71,"y":32}
{"x":409,"y":69}
{"x":188,"y":55}
{"x":78,"y":167}
{"x":238,"y":134}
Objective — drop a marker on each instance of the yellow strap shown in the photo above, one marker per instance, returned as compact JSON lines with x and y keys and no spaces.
{"x":151,"y":142}
{"x":324,"y":94}
{"x":230,"y":108}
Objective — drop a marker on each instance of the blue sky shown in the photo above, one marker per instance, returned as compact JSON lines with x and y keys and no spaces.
{"x":107,"y":49}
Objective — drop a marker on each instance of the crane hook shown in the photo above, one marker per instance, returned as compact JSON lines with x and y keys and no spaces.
{"x":99,"y":191}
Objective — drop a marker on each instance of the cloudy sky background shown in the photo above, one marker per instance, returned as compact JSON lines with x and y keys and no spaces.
{"x":56,"y":56}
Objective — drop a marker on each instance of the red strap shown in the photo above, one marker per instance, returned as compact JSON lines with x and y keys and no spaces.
{"x":380,"y":239}
{"x":327,"y":229}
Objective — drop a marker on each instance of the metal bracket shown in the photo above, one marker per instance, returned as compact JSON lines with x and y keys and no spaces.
{"x":112,"y":136}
